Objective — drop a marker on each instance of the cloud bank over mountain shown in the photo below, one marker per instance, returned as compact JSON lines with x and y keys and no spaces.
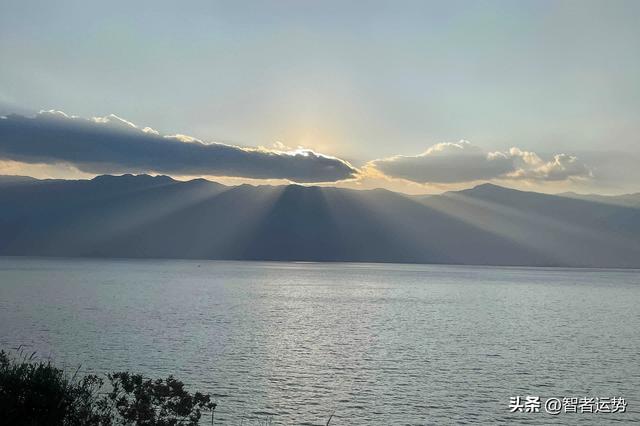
{"x":463,"y":162}
{"x":114,"y":145}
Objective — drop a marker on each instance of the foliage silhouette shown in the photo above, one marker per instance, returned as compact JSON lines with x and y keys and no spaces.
{"x":36,"y":392}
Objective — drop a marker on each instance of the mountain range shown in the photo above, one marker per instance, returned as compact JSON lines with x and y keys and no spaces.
{"x":158,"y":217}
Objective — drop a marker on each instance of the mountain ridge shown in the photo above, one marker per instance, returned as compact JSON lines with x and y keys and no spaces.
{"x":142,"y":216}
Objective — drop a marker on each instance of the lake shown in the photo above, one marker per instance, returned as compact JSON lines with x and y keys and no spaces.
{"x":292,"y":343}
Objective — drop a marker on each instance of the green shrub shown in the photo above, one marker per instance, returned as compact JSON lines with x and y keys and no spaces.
{"x":35,"y":392}
{"x":139,"y":401}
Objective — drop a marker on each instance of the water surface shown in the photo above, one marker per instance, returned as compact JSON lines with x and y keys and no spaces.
{"x":372,"y":343}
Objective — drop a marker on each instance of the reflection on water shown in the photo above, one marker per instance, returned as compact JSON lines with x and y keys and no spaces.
{"x":376,"y":344}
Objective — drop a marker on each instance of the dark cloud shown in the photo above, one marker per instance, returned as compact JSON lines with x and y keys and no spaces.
{"x":464,"y":162}
{"x":114,"y":145}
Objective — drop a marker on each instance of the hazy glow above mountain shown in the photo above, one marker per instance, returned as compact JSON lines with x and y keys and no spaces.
{"x":547,"y":89}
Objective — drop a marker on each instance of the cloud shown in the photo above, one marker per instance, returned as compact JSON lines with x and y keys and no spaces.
{"x":529,"y":166}
{"x":463,"y":162}
{"x":114,"y":145}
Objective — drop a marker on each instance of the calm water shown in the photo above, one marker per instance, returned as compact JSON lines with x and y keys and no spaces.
{"x":376,"y":344}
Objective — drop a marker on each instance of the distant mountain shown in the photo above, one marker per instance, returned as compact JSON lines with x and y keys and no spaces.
{"x":158,"y":217}
{"x":8,"y":179}
{"x":628,"y":200}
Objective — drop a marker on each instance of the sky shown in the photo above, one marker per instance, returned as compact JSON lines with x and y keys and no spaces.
{"x":418,"y":97}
